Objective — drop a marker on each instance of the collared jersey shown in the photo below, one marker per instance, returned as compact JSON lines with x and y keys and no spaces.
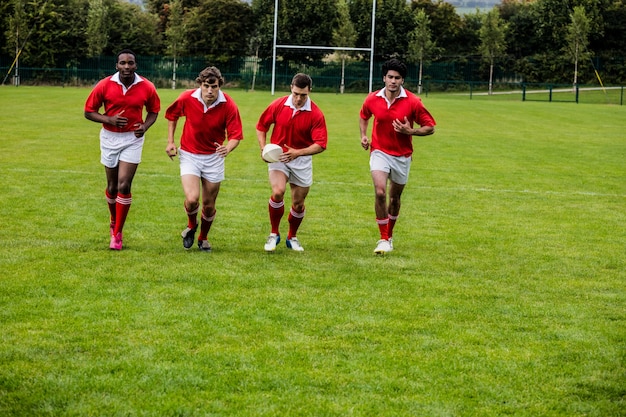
{"x":116,"y":99}
{"x":384,"y":137}
{"x":205,"y":125}
{"x":296,"y":128}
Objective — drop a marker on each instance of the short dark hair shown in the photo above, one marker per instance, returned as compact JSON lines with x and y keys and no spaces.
{"x":301,"y":80}
{"x":210,"y":73}
{"x":125,"y":51}
{"x":395,"y":65}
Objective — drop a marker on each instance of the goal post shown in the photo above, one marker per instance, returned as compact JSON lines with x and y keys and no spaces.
{"x":276,"y":46}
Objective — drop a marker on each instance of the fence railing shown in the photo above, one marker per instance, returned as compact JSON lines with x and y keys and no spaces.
{"x":250,"y":73}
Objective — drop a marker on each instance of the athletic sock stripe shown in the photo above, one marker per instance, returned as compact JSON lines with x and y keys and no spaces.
{"x":125,"y":201}
{"x":296,"y":214}
{"x":382,"y":221}
{"x":276,"y":204}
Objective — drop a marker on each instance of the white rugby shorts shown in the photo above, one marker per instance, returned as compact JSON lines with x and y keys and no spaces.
{"x":397,"y":167}
{"x":119,"y":146}
{"x":210,"y":167}
{"x":299,"y":171}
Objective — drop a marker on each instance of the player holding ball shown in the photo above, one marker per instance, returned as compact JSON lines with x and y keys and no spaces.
{"x":300,"y":128}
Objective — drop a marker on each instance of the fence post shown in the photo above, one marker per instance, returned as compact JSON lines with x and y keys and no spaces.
{"x":523,"y":92}
{"x":576,"y":93}
{"x":550,"y":95}
{"x":471,"y":88}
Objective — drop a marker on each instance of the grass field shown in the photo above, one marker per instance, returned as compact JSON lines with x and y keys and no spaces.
{"x":505,"y":294}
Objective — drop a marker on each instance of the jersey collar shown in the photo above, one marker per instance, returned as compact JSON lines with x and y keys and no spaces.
{"x":116,"y":78}
{"x":382,"y":91}
{"x":306,"y":107}
{"x":221,"y":98}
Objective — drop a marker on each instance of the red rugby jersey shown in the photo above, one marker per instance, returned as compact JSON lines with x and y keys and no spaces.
{"x":202,"y":129}
{"x":299,"y":130}
{"x":384,"y":137}
{"x":110,"y":94}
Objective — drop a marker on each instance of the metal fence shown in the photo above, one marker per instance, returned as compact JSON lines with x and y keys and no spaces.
{"x":245,"y":72}
{"x":250,"y":73}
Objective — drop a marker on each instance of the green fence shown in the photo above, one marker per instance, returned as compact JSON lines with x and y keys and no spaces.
{"x":249,"y":73}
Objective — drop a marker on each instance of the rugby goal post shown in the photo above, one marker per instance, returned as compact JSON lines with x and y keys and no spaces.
{"x":275,"y":46}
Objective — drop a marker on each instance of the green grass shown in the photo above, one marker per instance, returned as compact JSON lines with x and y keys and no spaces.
{"x":505,"y":294}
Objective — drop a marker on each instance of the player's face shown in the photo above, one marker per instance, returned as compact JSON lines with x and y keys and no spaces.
{"x":299,"y":95}
{"x":210,"y":90}
{"x":126,"y":65}
{"x":393,"y":80}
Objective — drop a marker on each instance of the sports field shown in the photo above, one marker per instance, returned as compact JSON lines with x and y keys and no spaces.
{"x":505,"y":294}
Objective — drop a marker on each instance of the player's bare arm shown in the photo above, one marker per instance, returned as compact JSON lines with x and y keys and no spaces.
{"x":170,"y":149}
{"x":365,"y":142}
{"x":142,"y":128}
{"x":116,"y":120}
{"x":224,"y":150}
{"x":290,"y":154}
{"x":262,"y":138}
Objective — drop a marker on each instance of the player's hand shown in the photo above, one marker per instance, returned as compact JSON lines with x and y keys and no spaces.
{"x":118,"y":120}
{"x":140,"y":130}
{"x":289,"y":155}
{"x":365,"y":143}
{"x":221,"y":150}
{"x":171,"y":151}
{"x":402,"y":127}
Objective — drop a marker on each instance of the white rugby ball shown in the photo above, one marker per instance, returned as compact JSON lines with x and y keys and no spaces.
{"x":272,"y":152}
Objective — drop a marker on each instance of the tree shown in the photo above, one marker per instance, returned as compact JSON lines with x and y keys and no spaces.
{"x":421,"y":43}
{"x":492,"y":38}
{"x":344,"y":35}
{"x":305,"y":22}
{"x":175,"y":34}
{"x":394,"y":21}
{"x":58,"y":25}
{"x":445,"y":25}
{"x":578,"y":38}
{"x":133,"y":28}
{"x":97,"y":27}
{"x":220,"y":30}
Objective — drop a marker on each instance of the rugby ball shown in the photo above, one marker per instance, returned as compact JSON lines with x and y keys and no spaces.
{"x":271,"y":152}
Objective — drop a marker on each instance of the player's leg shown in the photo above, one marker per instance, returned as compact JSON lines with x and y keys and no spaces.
{"x":210,"y":190}
{"x":395,"y":192}
{"x":125,"y":175}
{"x":191,"y":189}
{"x":296,"y":215}
{"x":398,"y":177}
{"x":379,"y":179}
{"x":111,"y":196}
{"x":276,"y":207}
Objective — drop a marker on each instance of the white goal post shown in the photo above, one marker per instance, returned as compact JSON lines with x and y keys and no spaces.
{"x":339,"y":48}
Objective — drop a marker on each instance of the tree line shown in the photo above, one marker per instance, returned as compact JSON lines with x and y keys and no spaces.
{"x":537,"y":40}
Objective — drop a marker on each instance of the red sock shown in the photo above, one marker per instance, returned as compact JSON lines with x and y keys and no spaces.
{"x":122,"y":205}
{"x":383,"y":226}
{"x":294,"y":219}
{"x":392,"y":223}
{"x":192,"y":217}
{"x":276,"y":209}
{"x":205,"y":225}
{"x":111,"y":202}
